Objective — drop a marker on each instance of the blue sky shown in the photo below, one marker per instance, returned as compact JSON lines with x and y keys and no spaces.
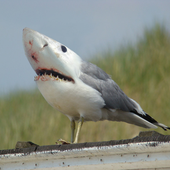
{"x":86,"y":27}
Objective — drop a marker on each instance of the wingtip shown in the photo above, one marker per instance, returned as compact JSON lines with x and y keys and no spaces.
{"x":164,"y":127}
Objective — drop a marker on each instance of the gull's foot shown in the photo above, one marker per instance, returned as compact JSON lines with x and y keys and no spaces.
{"x":63,"y":142}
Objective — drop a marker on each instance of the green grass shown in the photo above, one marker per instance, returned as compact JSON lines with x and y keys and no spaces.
{"x":141,"y":70}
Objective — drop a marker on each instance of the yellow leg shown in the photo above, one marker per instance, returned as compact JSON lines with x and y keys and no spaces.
{"x":72,"y":130}
{"x":80,"y":123}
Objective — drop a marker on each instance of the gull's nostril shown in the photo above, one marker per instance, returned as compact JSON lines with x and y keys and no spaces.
{"x":45,"y":45}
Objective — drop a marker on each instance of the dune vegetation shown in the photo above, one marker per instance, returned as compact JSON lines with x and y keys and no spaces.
{"x":142,"y":72}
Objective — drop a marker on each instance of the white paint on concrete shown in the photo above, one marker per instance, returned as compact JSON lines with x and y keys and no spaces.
{"x":145,"y":155}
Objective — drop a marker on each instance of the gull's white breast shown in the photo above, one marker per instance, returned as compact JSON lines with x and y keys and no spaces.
{"x":73,"y":99}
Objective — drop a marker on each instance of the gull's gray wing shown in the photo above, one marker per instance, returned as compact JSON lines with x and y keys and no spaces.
{"x":113,"y":96}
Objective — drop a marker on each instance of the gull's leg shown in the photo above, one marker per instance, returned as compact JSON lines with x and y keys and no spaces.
{"x":72,"y":134}
{"x":72,"y":130}
{"x":80,"y":123}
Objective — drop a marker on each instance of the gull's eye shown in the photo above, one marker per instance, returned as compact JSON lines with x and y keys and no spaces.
{"x":64,"y":49}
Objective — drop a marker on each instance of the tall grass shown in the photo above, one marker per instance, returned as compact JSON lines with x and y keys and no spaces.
{"x":141,"y":70}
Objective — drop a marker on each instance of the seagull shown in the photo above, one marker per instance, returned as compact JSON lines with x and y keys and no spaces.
{"x":77,"y":88}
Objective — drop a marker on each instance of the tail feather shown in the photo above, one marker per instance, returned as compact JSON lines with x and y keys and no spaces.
{"x":164,"y":127}
{"x":153,"y":121}
{"x":133,"y":117}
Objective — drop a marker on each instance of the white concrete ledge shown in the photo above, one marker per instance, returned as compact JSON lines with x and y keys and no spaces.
{"x":103,"y":155}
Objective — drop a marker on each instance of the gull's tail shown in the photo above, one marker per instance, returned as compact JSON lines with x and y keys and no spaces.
{"x":152,"y":121}
{"x":133,"y":117}
{"x":164,"y":127}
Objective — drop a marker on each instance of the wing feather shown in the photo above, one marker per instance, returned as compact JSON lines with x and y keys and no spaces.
{"x":113,"y":96}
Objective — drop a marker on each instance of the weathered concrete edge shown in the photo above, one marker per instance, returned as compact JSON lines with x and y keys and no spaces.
{"x":141,"y":155}
{"x":155,"y":138}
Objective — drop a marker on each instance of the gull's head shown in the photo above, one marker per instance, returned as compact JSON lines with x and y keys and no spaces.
{"x":50,"y":59}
